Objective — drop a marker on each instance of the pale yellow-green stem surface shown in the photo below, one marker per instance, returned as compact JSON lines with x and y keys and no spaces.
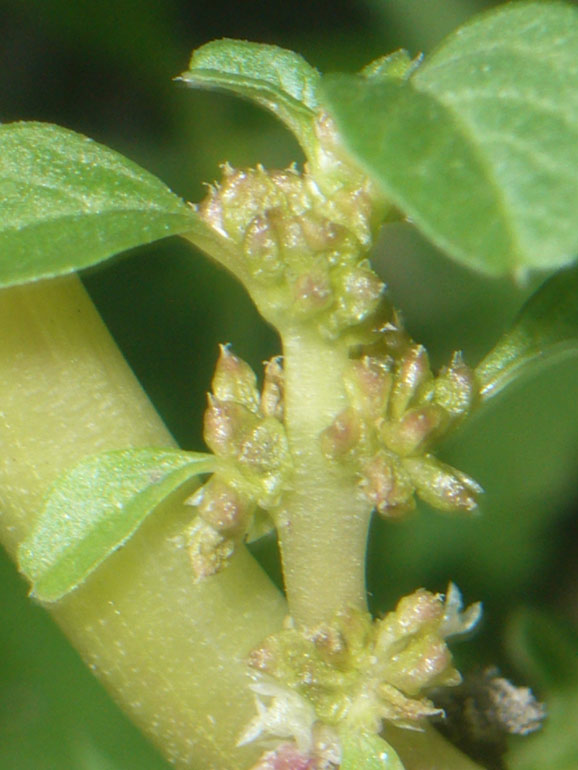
{"x":170,"y":650}
{"x":324,"y":521}
{"x":427,"y":750}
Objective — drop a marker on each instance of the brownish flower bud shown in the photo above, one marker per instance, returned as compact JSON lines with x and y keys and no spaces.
{"x":312,"y":291}
{"x":330,"y":644}
{"x":222,"y":506}
{"x":412,"y":374}
{"x":387,"y":485}
{"x":368,"y":384}
{"x":415,"y":430}
{"x":234,"y":380}
{"x":226,"y":423}
{"x":262,"y":249}
{"x":272,"y":395}
{"x":321,"y":234}
{"x":442,"y":486}
{"x":342,"y":435}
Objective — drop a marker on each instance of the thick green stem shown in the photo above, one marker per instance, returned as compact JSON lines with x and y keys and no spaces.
{"x":169,"y":649}
{"x":323,"y":523}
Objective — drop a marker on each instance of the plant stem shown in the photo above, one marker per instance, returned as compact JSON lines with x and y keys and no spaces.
{"x":169,"y":649}
{"x":323,"y":522}
{"x":427,"y":750}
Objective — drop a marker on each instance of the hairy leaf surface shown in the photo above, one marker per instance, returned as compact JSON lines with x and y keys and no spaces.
{"x":277,"y":79}
{"x":479,"y":145}
{"x":67,"y":202}
{"x":95,"y":507}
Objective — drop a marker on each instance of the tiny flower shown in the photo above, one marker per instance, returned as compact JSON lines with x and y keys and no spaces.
{"x":272,"y":395}
{"x":412,"y":374}
{"x":234,"y":380}
{"x":442,"y":486}
{"x":209,"y":550}
{"x":455,"y":387}
{"x":287,"y":715}
{"x":368,"y":383}
{"x":343,"y":434}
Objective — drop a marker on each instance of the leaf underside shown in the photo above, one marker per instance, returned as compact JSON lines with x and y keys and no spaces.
{"x":95,"y":508}
{"x":545,"y":330}
{"x":279,"y":80}
{"x":479,"y":145}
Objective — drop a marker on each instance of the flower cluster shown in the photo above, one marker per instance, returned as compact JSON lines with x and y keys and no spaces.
{"x":302,"y":254}
{"x":358,"y":672}
{"x":397,"y":410}
{"x":244,"y":428}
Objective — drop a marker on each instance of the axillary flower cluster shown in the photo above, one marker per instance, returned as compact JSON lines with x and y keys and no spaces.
{"x":301,"y":249}
{"x":300,"y":242}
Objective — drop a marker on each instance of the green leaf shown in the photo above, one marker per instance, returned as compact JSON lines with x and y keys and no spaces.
{"x":277,"y":79}
{"x":95,"y":508}
{"x":367,"y":751}
{"x":545,"y":330}
{"x":479,"y":145}
{"x":67,"y":202}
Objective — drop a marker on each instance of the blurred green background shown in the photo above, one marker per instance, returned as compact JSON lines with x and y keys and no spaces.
{"x":105,"y":68}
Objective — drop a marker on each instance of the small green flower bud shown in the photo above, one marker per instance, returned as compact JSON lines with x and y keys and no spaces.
{"x":387,"y":485}
{"x":246,"y":194}
{"x":424,"y":663}
{"x":234,"y":380}
{"x":412,"y":374}
{"x":442,"y":486}
{"x":292,"y":240}
{"x":321,"y":234}
{"x":353,"y":207}
{"x":272,"y":395}
{"x":368,"y":384}
{"x":209,"y":550}
{"x":358,"y":292}
{"x":262,"y":250}
{"x":312,"y":292}
{"x":455,"y":387}
{"x":265,"y":448}
{"x":226,"y":424}
{"x":411,"y":615}
{"x":265,"y":452}
{"x":342,"y":435}
{"x":415,"y":430}
{"x":293,"y":187}
{"x":222,"y":506}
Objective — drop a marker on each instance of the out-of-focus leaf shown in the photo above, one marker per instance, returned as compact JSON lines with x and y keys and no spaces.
{"x":277,"y":79}
{"x":544,"y":648}
{"x":478,"y":146}
{"x":95,"y":507}
{"x":67,"y":202}
{"x":546,"y":329}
